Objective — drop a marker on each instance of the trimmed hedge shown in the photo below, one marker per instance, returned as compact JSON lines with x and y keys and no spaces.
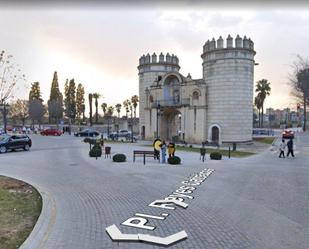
{"x":119,"y":158}
{"x":215,"y":155}
{"x":96,"y":151}
{"x":174,"y":160}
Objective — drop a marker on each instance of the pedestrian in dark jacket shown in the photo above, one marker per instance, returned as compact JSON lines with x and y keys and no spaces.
{"x":290,"y":148}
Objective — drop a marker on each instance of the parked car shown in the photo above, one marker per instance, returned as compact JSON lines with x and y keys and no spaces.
{"x":288,"y":134}
{"x":13,"y":142}
{"x":51,"y":132}
{"x":124,"y":133}
{"x":87,"y":133}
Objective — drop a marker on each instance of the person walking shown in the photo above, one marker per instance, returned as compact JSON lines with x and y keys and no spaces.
{"x":282,"y":148}
{"x":290,"y":148}
{"x":171,"y":149}
{"x":163,"y":152}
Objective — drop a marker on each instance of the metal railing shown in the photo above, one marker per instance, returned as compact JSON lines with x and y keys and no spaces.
{"x":171,"y":103}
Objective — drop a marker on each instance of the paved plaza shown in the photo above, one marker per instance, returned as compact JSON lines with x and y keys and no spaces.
{"x":257,"y":202}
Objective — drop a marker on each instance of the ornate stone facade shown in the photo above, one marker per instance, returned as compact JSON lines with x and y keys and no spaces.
{"x":217,"y":108}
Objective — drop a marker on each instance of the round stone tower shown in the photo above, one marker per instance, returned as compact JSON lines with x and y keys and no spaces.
{"x":228,"y":71}
{"x":150,"y":72}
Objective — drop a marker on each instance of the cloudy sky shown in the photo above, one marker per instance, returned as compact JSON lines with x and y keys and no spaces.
{"x":99,"y":46}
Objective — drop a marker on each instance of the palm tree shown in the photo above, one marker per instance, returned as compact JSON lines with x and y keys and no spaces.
{"x":258,"y":104}
{"x":96,"y":96}
{"x":126,"y":105}
{"x":104,"y":108}
{"x":118,"y":109}
{"x":110,"y":112}
{"x":263,"y":88}
{"x":134,"y":101}
{"x":90,"y":108}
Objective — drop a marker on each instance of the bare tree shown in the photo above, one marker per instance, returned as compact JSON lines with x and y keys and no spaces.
{"x":10,"y":76}
{"x":299,"y":80}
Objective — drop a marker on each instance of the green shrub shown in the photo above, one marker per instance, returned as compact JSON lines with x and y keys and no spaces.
{"x":119,"y":158}
{"x":174,"y":160}
{"x":96,"y":151}
{"x":90,"y":140}
{"x":86,"y":140}
{"x":215,"y":155}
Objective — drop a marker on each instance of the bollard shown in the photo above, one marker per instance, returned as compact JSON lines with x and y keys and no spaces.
{"x":229,"y":151}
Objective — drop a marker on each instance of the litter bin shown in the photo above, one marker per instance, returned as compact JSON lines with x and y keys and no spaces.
{"x":107,"y":151}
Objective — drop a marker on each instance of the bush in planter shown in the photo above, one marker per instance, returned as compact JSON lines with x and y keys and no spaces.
{"x":174,"y":160}
{"x":119,"y":158}
{"x":215,"y":155}
{"x":96,"y":151}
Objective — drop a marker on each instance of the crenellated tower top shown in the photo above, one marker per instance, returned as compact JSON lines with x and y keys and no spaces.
{"x":161,"y":59}
{"x":240,"y":43}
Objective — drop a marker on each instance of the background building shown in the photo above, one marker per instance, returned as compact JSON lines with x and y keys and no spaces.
{"x":173,"y":106}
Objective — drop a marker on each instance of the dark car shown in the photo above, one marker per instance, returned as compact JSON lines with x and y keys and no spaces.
{"x":52,"y":132}
{"x":87,"y":133}
{"x":13,"y":142}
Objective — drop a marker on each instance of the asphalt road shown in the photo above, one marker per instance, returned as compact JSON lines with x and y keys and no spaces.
{"x":257,"y":202}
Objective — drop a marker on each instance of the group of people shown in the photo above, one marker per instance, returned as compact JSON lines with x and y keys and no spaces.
{"x":170,"y":148}
{"x":282,"y":147}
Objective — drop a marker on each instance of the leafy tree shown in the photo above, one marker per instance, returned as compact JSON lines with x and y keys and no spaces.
{"x":96,"y":96}
{"x":134,"y":101}
{"x":36,"y":110}
{"x":299,"y":80}
{"x":19,"y":110}
{"x":36,"y":107}
{"x":263,"y":89}
{"x":35,"y":92}
{"x":104,"y":108}
{"x":55,"y":102}
{"x":90,"y":108}
{"x":70,"y":100}
{"x":118,"y":109}
{"x":80,"y":102}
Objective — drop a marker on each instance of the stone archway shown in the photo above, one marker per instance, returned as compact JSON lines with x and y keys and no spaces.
{"x":170,"y":123}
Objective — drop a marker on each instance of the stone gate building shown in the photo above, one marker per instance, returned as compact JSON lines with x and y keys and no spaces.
{"x":217,"y":108}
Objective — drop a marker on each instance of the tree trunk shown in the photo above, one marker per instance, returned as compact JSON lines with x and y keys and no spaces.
{"x":262,"y":116}
{"x":90,"y":114}
{"x":96,"y":112}
{"x":305,"y":114}
{"x":259,"y":118}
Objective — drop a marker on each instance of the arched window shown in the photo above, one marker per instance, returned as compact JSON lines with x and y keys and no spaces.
{"x":195,"y":98}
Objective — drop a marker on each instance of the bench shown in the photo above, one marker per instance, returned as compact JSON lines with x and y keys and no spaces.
{"x":144,"y":154}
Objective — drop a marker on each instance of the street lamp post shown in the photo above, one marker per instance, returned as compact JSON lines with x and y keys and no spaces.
{"x":131,"y":124}
{"x":158,"y":109}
